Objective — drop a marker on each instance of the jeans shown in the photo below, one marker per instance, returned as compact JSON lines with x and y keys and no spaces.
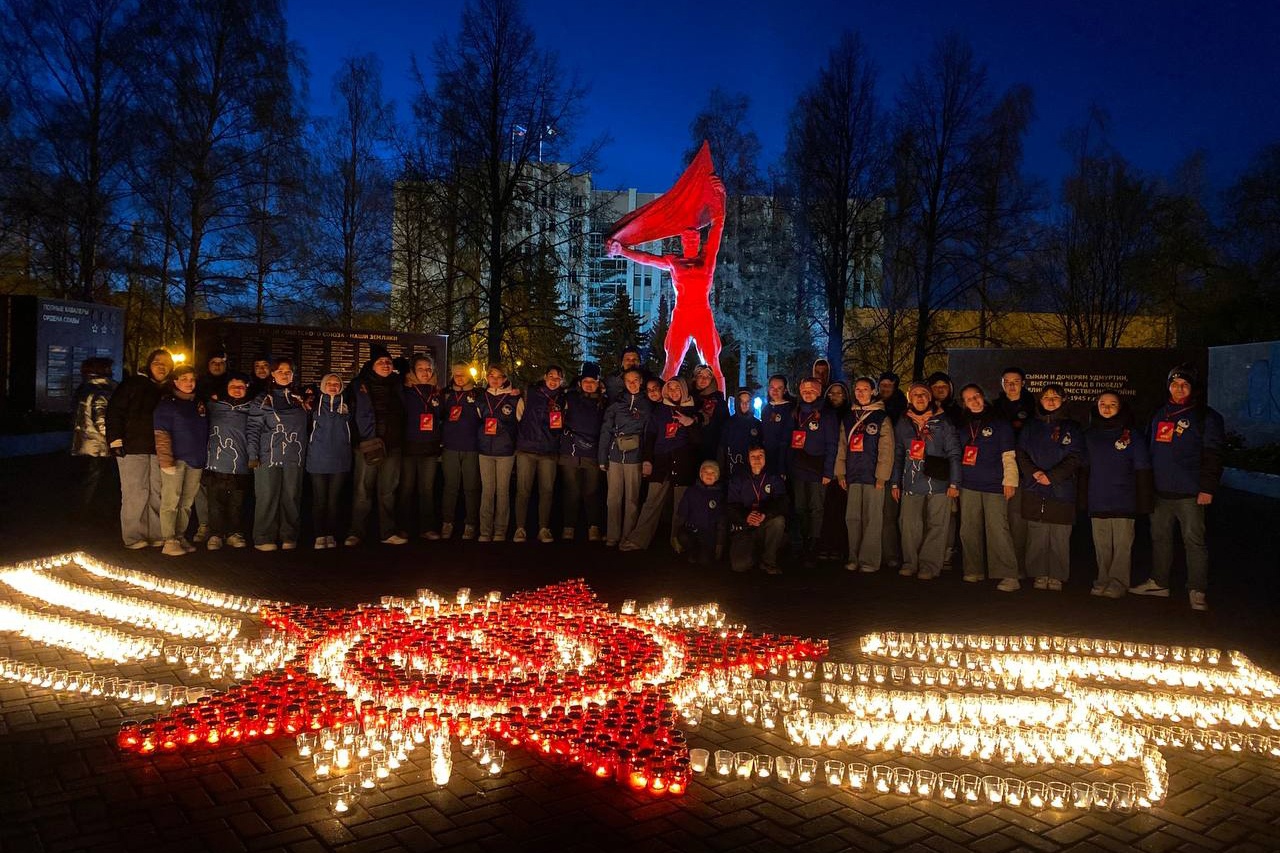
{"x":1190,"y":518}
{"x":1048,"y":550}
{"x":461,"y":470}
{"x":757,"y":545}
{"x":277,"y":495}
{"x":139,"y":498}
{"x":924,"y":532}
{"x":495,"y":494}
{"x":810,"y":501}
{"x":418,"y":483}
{"x":651,"y":513}
{"x":623,"y":500}
{"x":1113,"y":546}
{"x":864,"y":518}
{"x":581,"y":479}
{"x":225,"y":494}
{"x":531,"y":466}
{"x":326,"y":502}
{"x":985,"y":539}
{"x":177,"y":494}
{"x":378,"y":480}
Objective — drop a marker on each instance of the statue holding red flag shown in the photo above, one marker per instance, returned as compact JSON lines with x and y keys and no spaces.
{"x":694,"y":203}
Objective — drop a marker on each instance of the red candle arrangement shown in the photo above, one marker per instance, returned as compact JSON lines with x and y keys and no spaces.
{"x":550,"y":670}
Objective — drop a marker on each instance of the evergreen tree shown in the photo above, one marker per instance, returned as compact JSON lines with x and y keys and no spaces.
{"x":621,"y":328}
{"x":655,"y":357}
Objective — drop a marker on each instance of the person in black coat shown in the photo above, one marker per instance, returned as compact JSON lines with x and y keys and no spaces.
{"x":131,"y":437}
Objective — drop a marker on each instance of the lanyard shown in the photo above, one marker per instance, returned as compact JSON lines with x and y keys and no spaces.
{"x":760,"y":491}
{"x":550,"y":398}
{"x":814,"y":416}
{"x":973,"y":431}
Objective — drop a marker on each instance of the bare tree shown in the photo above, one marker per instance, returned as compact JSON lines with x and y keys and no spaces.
{"x":835,"y":155}
{"x":498,"y":124}
{"x":67,"y":62}
{"x":353,"y":193}
{"x":210,"y":75}
{"x":1100,"y":242}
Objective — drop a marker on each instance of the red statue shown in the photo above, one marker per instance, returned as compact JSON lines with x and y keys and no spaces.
{"x":695,"y":202}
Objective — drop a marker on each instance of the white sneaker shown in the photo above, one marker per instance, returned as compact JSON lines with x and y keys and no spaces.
{"x":974,"y":578}
{"x":288,"y":546}
{"x":593,"y":534}
{"x":446,"y":530}
{"x":430,"y":536}
{"x":907,"y":571}
{"x":202,"y":534}
{"x":1054,"y":585}
{"x":236,"y":540}
{"x":1098,"y":588}
{"x":468,"y":533}
{"x":482,"y":539}
{"x":1115,"y":589}
{"x":520,"y":536}
{"x":265,"y":546}
{"x":351,"y":541}
{"x":544,"y":535}
{"x":1150,"y":587}
{"x":1041,"y":583}
{"x":1009,"y":585}
{"x":173,"y":548}
{"x":568,"y":533}
{"x":321,"y":543}
{"x":136,"y":546}
{"x":869,"y":570}
{"x":330,"y":542}
{"x":499,"y":537}
{"x":851,"y":566}
{"x":1198,"y":600}
{"x":394,"y":539}
{"x":213,"y":543}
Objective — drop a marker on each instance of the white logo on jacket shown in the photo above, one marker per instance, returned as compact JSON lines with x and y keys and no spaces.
{"x":873,"y":429}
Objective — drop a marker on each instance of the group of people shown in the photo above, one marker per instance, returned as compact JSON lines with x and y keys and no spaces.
{"x":867,"y":474}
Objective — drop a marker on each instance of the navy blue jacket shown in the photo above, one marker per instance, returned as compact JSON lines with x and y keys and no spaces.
{"x":862,"y":439}
{"x":982,"y":468}
{"x":740,"y":434}
{"x":626,"y":416}
{"x":228,"y":435}
{"x":329,"y":444}
{"x":423,"y":420}
{"x":702,"y":507}
{"x":504,"y":410}
{"x":764,"y":492}
{"x":940,"y":442}
{"x":583,"y":416}
{"x":669,"y":446}
{"x":186,"y":424}
{"x":1054,"y":444}
{"x":1117,"y":470}
{"x":714,"y":412}
{"x":821,"y":430}
{"x":277,"y":431}
{"x":1016,"y":412}
{"x":535,"y":434}
{"x":1186,"y":453}
{"x":462,"y":421}
{"x":776,"y":422}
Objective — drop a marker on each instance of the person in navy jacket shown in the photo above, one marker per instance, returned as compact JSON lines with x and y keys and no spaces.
{"x":757,"y":514}
{"x":182,"y":446}
{"x":988,"y":481}
{"x":538,"y":451}
{"x":864,"y":465}
{"x":1116,"y":477}
{"x":620,"y":455}
{"x":926,"y":479}
{"x":328,"y":459}
{"x":895,"y":403}
{"x":629,"y":359}
{"x":420,"y":459}
{"x":1185,"y":439}
{"x":701,"y":536}
{"x":277,"y":442}
{"x":226,"y":475}
{"x":740,"y":434}
{"x":580,"y":452}
{"x":814,"y":442}
{"x":501,"y":407}
{"x":670,"y":453}
{"x":777,"y":419}
{"x":1050,"y":452}
{"x":1016,"y":405}
{"x":712,"y":410}
{"x":460,"y":457}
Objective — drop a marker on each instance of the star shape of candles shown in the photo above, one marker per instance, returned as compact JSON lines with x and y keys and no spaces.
{"x":552,"y":670}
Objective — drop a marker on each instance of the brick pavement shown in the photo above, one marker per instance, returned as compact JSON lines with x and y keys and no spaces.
{"x":65,"y":787}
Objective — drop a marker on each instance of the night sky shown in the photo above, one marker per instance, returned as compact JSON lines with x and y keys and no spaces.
{"x":1175,"y":76}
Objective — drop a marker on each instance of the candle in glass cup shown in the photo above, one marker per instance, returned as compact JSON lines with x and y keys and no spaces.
{"x":306,"y":744}
{"x":834,"y":771}
{"x":322,"y":761}
{"x":744,"y":762}
{"x":763,"y":765}
{"x":496,"y":760}
{"x":726,"y":761}
{"x":806,"y":770}
{"x":441,"y":770}
{"x":341,"y":798}
{"x":367,"y":775}
{"x":698,"y":760}
{"x":785,"y":766}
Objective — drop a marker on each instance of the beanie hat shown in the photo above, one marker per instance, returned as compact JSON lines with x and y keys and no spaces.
{"x":377,"y":351}
{"x":1186,"y":373}
{"x":891,"y":376}
{"x":590,"y":370}
{"x":938,"y":376}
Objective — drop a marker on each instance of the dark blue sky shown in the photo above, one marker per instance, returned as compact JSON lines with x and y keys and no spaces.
{"x":1175,"y":75}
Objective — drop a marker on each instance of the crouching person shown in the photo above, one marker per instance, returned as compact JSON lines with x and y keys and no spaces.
{"x":757,"y":516}
{"x":701,"y":537}
{"x":226,"y":476}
